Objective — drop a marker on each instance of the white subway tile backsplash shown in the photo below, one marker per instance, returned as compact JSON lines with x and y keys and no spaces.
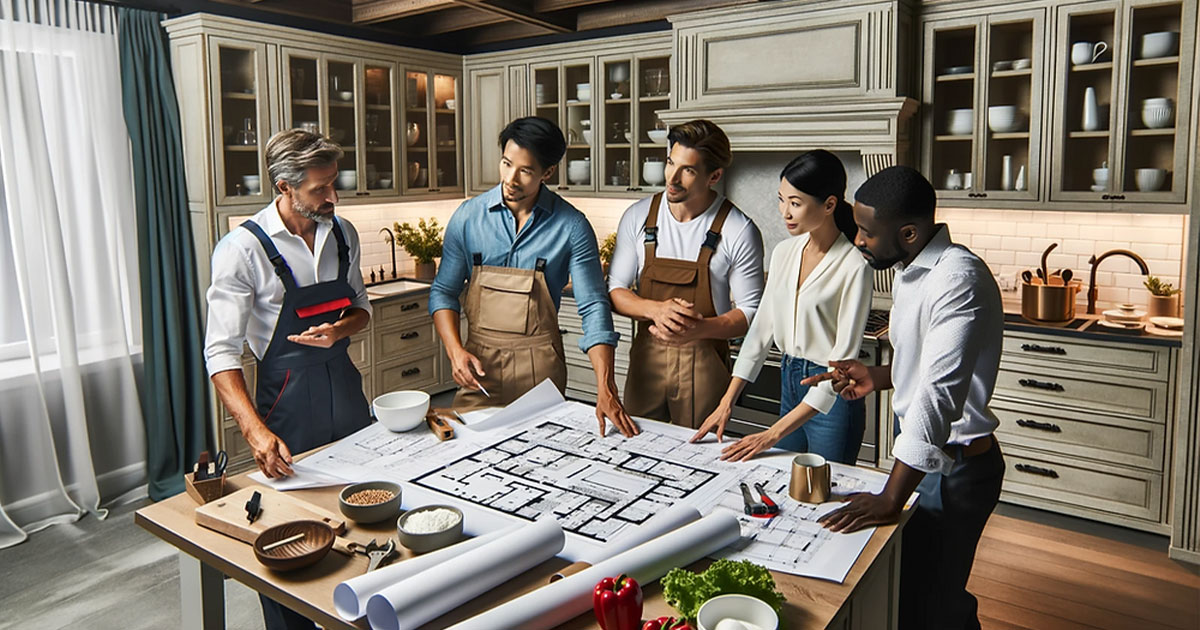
{"x":980,"y":241}
{"x":1015,"y":243}
{"x":1002,"y":228}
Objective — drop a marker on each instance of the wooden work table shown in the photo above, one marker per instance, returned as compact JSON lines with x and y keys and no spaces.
{"x":867,"y":599}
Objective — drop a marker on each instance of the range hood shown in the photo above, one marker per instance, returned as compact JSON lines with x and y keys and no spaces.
{"x":800,"y":75}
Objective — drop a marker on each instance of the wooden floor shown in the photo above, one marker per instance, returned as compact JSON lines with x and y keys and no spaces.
{"x":1034,"y":570}
{"x":1066,"y":573}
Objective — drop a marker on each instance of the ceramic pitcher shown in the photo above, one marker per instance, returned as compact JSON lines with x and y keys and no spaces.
{"x":1091,"y":110}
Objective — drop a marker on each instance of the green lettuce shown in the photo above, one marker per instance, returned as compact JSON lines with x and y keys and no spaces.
{"x":686,"y":591}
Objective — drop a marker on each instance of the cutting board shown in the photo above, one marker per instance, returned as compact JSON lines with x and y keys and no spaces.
{"x":228,"y":514}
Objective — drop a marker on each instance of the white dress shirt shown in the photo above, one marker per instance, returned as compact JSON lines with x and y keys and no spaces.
{"x":822,"y":321}
{"x":947,"y":330}
{"x":735,"y":270}
{"x":246,"y":297}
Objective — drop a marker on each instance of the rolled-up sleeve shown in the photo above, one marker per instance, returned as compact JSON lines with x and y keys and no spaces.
{"x":853,"y":308}
{"x":949,"y":353}
{"x":761,"y":335}
{"x":453,"y":272}
{"x":230,"y":298}
{"x":746,"y":271}
{"x":588,"y":282}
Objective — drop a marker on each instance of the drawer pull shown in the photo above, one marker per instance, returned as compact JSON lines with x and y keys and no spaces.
{"x":1037,"y":470}
{"x":1046,"y":385}
{"x":410,"y":307}
{"x":412,"y":334}
{"x":1033,"y":347}
{"x":563,"y":331}
{"x":1040,"y":426}
{"x":411,"y":372}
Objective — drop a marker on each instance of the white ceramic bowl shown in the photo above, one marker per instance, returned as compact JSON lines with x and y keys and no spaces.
{"x":450,"y":103}
{"x":1100,"y":176}
{"x":253,"y":184}
{"x":1156,"y":112}
{"x":657,"y":136}
{"x":1003,"y":118}
{"x":385,"y":182}
{"x":653,"y":172}
{"x":347,"y":180}
{"x":579,"y":171}
{"x":346,"y":96}
{"x":739,"y":607}
{"x":402,"y":410}
{"x":1160,"y":44}
{"x":960,"y":122}
{"x":1150,"y":179}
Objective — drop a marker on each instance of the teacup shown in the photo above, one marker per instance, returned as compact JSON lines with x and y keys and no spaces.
{"x":1087,"y":52}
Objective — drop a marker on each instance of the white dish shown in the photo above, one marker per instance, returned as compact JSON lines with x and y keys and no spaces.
{"x":657,"y":136}
{"x":1168,"y":323}
{"x":1163,"y":332}
{"x":1118,"y":326}
{"x":1022,"y":63}
{"x":345,"y":96}
{"x":1099,"y":187}
{"x":739,"y":607}
{"x":1123,"y":316}
{"x":958,"y":70}
{"x":616,"y":95}
{"x":1160,"y":44}
{"x":402,"y":410}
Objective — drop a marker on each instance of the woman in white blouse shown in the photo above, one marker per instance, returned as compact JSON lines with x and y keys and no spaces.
{"x":814,"y":308}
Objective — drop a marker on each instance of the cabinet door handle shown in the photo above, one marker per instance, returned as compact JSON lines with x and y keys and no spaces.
{"x":1040,"y":426}
{"x":410,"y":372}
{"x":1046,"y":385}
{"x":362,"y":194}
{"x":563,"y":331}
{"x":1037,"y":470}
{"x":1106,"y":197}
{"x":1033,"y":347}
{"x":412,"y":334}
{"x":409,"y":307}
{"x":1119,"y":197}
{"x":982,"y":195}
{"x":564,"y":188}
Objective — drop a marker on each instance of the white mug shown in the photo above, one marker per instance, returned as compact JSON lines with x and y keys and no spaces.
{"x":1087,"y":52}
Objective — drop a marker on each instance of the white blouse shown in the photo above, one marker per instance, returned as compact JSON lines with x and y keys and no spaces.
{"x":823,"y":321}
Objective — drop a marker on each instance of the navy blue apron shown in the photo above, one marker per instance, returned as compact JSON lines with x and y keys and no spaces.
{"x":309,"y":396}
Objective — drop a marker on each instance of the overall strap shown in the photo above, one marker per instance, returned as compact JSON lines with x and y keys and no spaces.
{"x":651,"y":227}
{"x":713,"y":237}
{"x":342,"y":248}
{"x":281,"y":267}
{"x":477,"y":259}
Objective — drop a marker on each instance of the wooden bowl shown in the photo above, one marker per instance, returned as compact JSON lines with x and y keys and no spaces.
{"x":317,"y":541}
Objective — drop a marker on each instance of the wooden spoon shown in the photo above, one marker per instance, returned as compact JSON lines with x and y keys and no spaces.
{"x":1046,"y":253}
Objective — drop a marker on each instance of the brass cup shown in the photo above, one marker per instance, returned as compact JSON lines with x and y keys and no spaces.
{"x":810,"y":479}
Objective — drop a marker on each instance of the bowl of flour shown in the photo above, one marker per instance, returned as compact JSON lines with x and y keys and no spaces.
{"x":430,"y":527}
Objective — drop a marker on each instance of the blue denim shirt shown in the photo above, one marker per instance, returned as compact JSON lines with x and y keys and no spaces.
{"x":556,"y":231}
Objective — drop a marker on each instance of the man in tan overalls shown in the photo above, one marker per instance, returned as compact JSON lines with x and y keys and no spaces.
{"x":695,"y":262}
{"x":514,"y":248}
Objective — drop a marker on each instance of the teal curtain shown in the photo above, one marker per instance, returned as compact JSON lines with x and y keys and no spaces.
{"x":174,"y":392}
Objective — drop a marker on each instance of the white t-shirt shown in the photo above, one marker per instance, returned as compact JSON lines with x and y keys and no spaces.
{"x":735,"y":269}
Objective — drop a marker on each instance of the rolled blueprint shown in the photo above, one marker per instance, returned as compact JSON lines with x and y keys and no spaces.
{"x":350,"y":597}
{"x":453,"y":582}
{"x":666,"y":521}
{"x":560,"y":601}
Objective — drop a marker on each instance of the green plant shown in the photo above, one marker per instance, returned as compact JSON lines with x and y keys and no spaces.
{"x":1157,"y":287}
{"x":687,"y":591}
{"x":607,"y":246}
{"x":423,"y":242}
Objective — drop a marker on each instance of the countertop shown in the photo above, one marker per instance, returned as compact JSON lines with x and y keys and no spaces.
{"x":403,"y":286}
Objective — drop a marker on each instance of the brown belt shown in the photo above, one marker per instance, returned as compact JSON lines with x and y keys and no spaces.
{"x":978,"y":446}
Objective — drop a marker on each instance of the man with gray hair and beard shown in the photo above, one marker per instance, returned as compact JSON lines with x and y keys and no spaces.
{"x":287,"y":282}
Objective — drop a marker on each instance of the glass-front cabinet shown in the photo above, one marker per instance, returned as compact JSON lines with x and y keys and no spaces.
{"x":1121,"y":82}
{"x":631,"y":136}
{"x":430,"y":124}
{"x":984,"y":124}
{"x":562,"y":92}
{"x":241,"y":121}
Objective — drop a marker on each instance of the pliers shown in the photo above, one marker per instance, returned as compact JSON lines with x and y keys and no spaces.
{"x":763,"y":508}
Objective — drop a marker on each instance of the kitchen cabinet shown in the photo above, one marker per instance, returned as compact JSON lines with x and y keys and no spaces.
{"x":1123,"y":77}
{"x":581,"y":379}
{"x":982,"y":83}
{"x":596,"y":91}
{"x":431,"y":122}
{"x":242,"y":118}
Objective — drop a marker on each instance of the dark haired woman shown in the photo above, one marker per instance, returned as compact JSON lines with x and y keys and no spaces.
{"x":814,"y":309}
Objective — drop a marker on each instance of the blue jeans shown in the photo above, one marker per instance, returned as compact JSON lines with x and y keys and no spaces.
{"x":836,"y":435}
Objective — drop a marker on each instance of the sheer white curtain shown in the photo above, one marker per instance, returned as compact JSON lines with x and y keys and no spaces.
{"x":71,"y":432}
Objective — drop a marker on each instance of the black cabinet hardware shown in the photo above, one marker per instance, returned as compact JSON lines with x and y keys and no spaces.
{"x":1033,"y":347}
{"x":1040,"y":426}
{"x":1037,"y":470}
{"x":1046,"y":385}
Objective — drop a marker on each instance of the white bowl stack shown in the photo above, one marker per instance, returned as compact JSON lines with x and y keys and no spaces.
{"x":1150,"y":179}
{"x":1003,"y":118}
{"x":960,"y":122}
{"x":583,"y":92}
{"x":1156,"y":112}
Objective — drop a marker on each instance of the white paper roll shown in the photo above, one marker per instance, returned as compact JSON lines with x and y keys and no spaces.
{"x":560,"y":601}
{"x":438,"y":590}
{"x":666,"y":521}
{"x":350,"y":597}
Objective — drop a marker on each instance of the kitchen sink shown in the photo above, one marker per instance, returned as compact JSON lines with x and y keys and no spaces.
{"x":1079,"y":323}
{"x":397,"y":286}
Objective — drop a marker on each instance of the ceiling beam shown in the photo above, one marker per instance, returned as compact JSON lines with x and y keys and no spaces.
{"x":371,"y":11}
{"x":549,"y":6}
{"x":498,"y":33}
{"x":449,"y":20}
{"x":641,"y":12}
{"x":520,"y":14}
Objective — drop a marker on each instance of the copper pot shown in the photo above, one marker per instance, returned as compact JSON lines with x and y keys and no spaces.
{"x":1049,"y":303}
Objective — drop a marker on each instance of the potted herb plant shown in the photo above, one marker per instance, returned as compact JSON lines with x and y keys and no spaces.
{"x":423,"y":243}
{"x":1164,"y":298}
{"x":606,"y":251}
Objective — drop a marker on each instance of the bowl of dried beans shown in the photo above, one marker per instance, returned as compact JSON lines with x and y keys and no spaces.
{"x":370,"y":501}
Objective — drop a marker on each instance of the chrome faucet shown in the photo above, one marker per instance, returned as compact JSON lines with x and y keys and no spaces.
{"x":391,"y":238}
{"x":1095,"y":262}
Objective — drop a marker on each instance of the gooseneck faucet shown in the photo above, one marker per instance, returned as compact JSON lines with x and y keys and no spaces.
{"x":1095,"y":262}
{"x":391,"y":238}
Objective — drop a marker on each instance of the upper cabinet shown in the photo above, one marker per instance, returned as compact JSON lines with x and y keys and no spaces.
{"x":1083,"y":105}
{"x":605,"y":98}
{"x":400,"y":137}
{"x":983,"y":117}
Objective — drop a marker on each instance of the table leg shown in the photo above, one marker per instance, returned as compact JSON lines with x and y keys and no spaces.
{"x":202,"y":594}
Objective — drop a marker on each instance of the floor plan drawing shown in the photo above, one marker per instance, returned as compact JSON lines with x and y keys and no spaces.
{"x":594,"y":486}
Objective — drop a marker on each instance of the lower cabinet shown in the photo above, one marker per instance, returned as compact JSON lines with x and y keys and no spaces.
{"x":581,"y":378}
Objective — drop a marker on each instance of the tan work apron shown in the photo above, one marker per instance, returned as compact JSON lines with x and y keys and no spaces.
{"x":678,"y":383}
{"x":512,"y":327}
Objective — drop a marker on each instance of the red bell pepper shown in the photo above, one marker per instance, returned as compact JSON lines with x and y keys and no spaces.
{"x":618,"y":603}
{"x":666,"y":623}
